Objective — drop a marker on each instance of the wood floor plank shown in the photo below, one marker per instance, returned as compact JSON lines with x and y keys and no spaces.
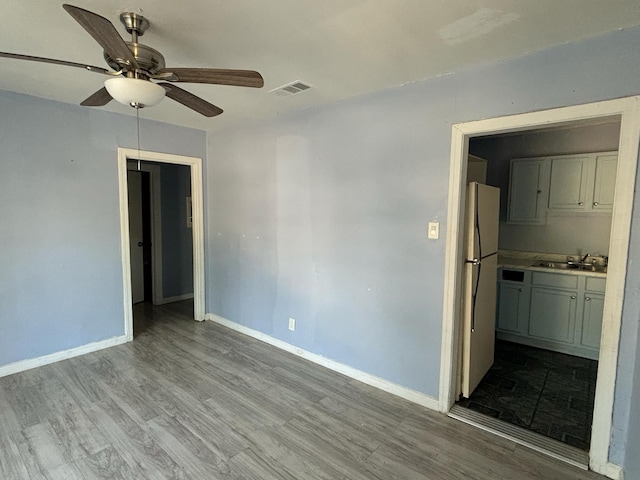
{"x":331,"y":451}
{"x":11,"y":463}
{"x":68,"y":471}
{"x":141,"y":452}
{"x":186,"y":449}
{"x":28,"y":403}
{"x":372,"y":422}
{"x":79,"y":381}
{"x":250,"y":465}
{"x":78,"y":435}
{"x":9,"y":422}
{"x":220,"y":436}
{"x":428,"y":426}
{"x":195,"y":400}
{"x":106,"y":464}
{"x":339,"y":431}
{"x":41,"y":446}
{"x":295,"y":460}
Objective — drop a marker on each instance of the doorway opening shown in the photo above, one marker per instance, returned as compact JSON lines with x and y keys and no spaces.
{"x":175,"y":269}
{"x":624,"y":110}
{"x":547,"y":292}
{"x":160,"y":238}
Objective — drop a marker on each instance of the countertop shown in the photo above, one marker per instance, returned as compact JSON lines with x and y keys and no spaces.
{"x":528,"y":260}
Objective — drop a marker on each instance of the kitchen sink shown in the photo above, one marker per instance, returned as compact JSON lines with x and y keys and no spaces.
{"x":588,"y":267}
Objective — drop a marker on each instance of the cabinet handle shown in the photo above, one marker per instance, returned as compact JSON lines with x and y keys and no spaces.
{"x":539,"y":191}
{"x":581,"y":203}
{"x":520,"y":290}
{"x":573,"y":297}
{"x":587,"y":299}
{"x":595,"y":204}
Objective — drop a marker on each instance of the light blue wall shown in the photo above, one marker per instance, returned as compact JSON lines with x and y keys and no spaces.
{"x":321,"y":215}
{"x":177,"y":238}
{"x":60,"y":260}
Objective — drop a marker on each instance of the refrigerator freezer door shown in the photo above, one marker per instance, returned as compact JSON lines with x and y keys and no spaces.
{"x":488,"y":214}
{"x":480,"y":277}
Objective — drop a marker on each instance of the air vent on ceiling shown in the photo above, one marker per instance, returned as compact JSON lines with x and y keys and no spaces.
{"x":292,"y":88}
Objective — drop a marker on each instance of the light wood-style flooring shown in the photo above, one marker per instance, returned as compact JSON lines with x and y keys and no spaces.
{"x":188,"y":400}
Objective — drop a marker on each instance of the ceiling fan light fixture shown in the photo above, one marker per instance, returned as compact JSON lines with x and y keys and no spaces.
{"x":134,"y":91}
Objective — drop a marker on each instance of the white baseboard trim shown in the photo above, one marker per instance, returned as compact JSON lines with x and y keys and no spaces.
{"x":30,"y":363}
{"x":177,"y":298}
{"x":372,"y":380}
{"x":608,"y":469}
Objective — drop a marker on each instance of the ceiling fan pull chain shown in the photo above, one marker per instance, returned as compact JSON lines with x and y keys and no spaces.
{"x":138,"y":125}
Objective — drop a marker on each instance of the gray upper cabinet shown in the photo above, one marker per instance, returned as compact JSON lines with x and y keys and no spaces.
{"x":604,"y":182}
{"x":527,"y":188}
{"x":564,"y":183}
{"x":569,"y":182}
{"x":583,"y":183}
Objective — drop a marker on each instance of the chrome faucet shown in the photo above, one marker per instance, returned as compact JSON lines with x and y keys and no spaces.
{"x":585,"y":257}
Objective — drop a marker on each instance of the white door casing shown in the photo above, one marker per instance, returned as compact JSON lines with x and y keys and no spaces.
{"x":628,"y":109}
{"x":197,"y":196}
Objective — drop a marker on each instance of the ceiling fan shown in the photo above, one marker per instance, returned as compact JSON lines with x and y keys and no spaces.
{"x":134,"y":66}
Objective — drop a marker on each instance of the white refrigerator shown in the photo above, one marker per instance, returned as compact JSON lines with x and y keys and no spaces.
{"x":479,"y":284}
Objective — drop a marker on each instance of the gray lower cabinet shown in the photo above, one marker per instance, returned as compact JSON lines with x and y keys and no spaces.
{"x":553,"y":314}
{"x":593,"y":305}
{"x":555,"y":311}
{"x":513,"y":308}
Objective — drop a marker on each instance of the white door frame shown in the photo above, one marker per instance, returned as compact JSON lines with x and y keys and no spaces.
{"x":629,"y":111}
{"x":197,"y":197}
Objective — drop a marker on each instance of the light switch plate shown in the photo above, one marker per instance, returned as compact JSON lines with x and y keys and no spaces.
{"x":434,"y":231}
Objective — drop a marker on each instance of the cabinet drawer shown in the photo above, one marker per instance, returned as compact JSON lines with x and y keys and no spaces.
{"x":555,"y":280}
{"x":511,"y":275}
{"x":596,"y":284}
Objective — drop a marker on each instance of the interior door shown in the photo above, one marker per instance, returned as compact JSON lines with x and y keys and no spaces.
{"x":134,"y":186}
{"x":480,"y":285}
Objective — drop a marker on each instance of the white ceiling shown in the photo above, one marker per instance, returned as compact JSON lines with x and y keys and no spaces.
{"x":341,"y":47}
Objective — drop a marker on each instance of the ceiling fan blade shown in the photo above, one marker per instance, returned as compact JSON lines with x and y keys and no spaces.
{"x":98,"y":99}
{"x":103,"y":31}
{"x":190,"y":100}
{"x":240,"y":78}
{"x":91,"y":68}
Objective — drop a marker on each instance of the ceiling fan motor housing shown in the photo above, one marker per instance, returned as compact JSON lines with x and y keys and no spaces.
{"x":149,"y":59}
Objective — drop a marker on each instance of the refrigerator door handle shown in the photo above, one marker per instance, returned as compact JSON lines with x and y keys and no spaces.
{"x":482,"y":257}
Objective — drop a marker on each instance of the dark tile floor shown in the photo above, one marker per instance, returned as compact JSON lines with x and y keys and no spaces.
{"x":547,"y":392}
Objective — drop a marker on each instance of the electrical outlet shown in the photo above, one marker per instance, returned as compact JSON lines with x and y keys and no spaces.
{"x":292,"y":324}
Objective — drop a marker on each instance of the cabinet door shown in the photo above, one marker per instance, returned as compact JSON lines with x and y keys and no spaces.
{"x":552,"y":314}
{"x":510,"y":308}
{"x":568,"y":183}
{"x":592,"y":320}
{"x":604,"y":182}
{"x":526,"y":190}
